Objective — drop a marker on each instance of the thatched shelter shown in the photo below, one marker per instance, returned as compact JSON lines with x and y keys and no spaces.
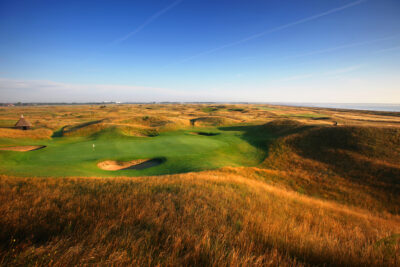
{"x":23,"y":124}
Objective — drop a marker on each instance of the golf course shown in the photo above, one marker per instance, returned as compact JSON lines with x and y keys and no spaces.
{"x":180,"y":151}
{"x":198,"y":185}
{"x":181,"y":133}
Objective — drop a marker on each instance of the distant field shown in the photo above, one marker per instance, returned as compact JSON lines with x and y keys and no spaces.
{"x":233,"y":185}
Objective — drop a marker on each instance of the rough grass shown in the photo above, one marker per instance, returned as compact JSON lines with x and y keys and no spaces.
{"x":214,"y":121}
{"x":199,"y":219}
{"x":29,"y":134}
{"x":354,"y":165}
{"x":152,"y":121}
{"x":98,"y":128}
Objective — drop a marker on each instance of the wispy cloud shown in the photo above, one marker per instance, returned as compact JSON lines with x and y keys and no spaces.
{"x":388,"y":49}
{"x":147,"y":22}
{"x":296,"y":77}
{"x":276,"y":29}
{"x":343,"y":70}
{"x":332,"y":49}
{"x":335,"y":48}
{"x":320,"y":74}
{"x":13,"y":90}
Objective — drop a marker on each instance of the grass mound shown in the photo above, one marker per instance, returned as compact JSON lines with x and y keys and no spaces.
{"x":356,"y":165}
{"x":382,"y":143}
{"x":151,"y":121}
{"x":84,"y":129}
{"x":213,"y":121}
{"x":100,"y":128}
{"x":136,"y":131}
{"x":283,"y":127}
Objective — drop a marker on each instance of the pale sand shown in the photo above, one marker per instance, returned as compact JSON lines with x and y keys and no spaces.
{"x":138,"y":164}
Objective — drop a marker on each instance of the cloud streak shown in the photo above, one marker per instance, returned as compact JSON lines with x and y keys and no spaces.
{"x":147,"y":22}
{"x":332,"y":49}
{"x":276,"y":29}
{"x":325,"y":74}
{"x":388,"y":49}
{"x":13,"y":90}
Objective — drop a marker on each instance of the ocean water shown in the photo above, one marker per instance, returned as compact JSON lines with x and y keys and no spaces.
{"x":358,"y":106}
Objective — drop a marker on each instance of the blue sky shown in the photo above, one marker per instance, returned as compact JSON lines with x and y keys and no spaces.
{"x":200,"y":50}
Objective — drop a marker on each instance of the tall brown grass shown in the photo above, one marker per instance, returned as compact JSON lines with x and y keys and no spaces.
{"x":197,"y":219}
{"x":359,"y":166}
{"x":29,"y":134}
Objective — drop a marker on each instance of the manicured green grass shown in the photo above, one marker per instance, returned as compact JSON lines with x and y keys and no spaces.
{"x":182,"y":151}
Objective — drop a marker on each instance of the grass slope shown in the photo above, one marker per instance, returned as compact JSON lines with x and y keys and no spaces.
{"x":353,"y":165}
{"x":196,"y":219}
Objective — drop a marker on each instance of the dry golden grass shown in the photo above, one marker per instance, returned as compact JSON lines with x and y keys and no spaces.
{"x":177,"y":116}
{"x":197,"y":219}
{"x":31,"y":134}
{"x":355,"y":166}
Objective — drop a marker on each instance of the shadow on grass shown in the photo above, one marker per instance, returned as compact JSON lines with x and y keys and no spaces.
{"x":255,"y":135}
{"x":66,"y":129}
{"x":59,"y":132}
{"x":262,"y":136}
{"x":205,"y":133}
{"x":365,"y":156}
{"x":79,"y":126}
{"x":147,"y":164}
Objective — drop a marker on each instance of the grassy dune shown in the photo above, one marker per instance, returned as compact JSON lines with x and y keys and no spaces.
{"x":263,"y":191}
{"x":352,"y":165}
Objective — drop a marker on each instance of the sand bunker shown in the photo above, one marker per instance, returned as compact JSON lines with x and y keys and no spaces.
{"x":137,"y":164}
{"x":204,"y":133}
{"x":22,"y":148}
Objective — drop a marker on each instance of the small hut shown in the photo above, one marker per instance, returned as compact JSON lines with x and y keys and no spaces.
{"x":23,"y":124}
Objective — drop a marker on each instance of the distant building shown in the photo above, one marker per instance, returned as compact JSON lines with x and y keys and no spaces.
{"x":23,"y":124}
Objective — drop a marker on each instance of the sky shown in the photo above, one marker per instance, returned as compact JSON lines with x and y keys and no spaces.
{"x":344,"y":51}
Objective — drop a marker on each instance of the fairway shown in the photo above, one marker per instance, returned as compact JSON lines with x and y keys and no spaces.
{"x":180,"y":151}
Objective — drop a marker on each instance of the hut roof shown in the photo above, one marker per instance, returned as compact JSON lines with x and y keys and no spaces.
{"x":23,"y":122}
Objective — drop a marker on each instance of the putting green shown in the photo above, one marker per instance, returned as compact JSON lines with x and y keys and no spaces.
{"x":181,"y":151}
